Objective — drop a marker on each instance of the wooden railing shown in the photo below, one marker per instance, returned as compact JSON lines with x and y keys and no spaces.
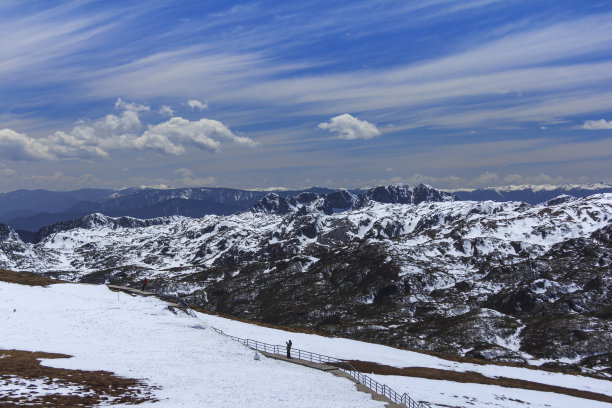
{"x":343,"y":365}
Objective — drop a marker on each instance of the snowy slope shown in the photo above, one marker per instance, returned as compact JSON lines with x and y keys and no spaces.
{"x":194,"y":366}
{"x":140,"y":338}
{"x":437,"y":393}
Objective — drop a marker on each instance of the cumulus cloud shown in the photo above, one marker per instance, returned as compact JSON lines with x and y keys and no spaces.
{"x":601,"y":124}
{"x":166,"y":111}
{"x":17,"y":146}
{"x":133,"y":107}
{"x":195,"y":104}
{"x":97,"y":139}
{"x":176,"y":134}
{"x":350,"y":128}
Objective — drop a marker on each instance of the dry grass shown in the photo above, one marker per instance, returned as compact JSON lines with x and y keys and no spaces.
{"x":26,"y":278}
{"x":87,"y":388}
{"x":474,"y":378}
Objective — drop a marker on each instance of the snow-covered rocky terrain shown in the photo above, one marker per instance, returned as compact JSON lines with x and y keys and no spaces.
{"x":185,"y":363}
{"x":503,"y":281}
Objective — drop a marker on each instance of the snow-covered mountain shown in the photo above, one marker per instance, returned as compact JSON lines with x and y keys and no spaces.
{"x":504,"y":281}
{"x":531,"y":194}
{"x":342,"y":200}
{"x":29,"y":210}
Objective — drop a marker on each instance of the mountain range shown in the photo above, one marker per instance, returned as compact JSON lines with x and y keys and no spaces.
{"x":27,"y":211}
{"x":411,"y":267}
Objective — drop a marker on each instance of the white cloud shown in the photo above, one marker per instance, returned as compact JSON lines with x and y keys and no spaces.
{"x":601,"y":124}
{"x":195,"y":104}
{"x":184,"y":172}
{"x":174,"y":135}
{"x":133,"y":107}
{"x":541,"y":178}
{"x":350,"y":128}
{"x":513,"y":178}
{"x":7,"y":172}
{"x":97,"y":139}
{"x":17,"y":146}
{"x":166,"y":111}
{"x":488,"y":178}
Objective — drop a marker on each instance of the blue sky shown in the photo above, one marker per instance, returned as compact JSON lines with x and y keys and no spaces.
{"x":292,"y":94}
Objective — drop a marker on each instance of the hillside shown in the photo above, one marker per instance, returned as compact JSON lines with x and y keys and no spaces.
{"x":177,"y":359}
{"x":505,"y":282}
{"x":173,"y":359}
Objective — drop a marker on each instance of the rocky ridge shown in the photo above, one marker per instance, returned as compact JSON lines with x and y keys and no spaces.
{"x":343,"y":200}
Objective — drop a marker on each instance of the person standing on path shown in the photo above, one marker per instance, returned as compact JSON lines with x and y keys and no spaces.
{"x":144,"y":284}
{"x":289,"y":348}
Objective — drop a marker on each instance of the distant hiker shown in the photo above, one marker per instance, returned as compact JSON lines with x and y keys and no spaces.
{"x":289,"y":349}
{"x":144,"y":284}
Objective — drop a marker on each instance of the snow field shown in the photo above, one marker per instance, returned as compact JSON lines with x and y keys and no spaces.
{"x":357,"y":350}
{"x":442,"y":394}
{"x":140,"y":338}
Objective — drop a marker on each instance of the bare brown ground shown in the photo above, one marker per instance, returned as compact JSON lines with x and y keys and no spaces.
{"x":26,"y":278}
{"x":473,"y":378}
{"x":91,"y":388}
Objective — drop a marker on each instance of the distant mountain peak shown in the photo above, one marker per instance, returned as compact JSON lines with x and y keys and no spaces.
{"x":7,"y":233}
{"x":343,"y":200}
{"x":531,"y":194}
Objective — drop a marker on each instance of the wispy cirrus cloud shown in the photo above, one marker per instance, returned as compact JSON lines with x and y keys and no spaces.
{"x":522,"y":69}
{"x":551,"y":60}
